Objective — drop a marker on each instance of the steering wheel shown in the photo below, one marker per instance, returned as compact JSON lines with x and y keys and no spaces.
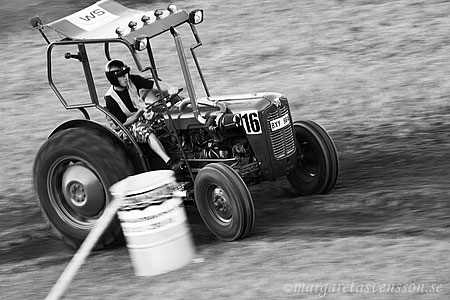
{"x":168,"y":100}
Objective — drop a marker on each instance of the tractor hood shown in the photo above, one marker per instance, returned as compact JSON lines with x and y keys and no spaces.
{"x":232,"y":103}
{"x":184,"y":117}
{"x":243,"y":102}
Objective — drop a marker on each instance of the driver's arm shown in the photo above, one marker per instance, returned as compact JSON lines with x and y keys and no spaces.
{"x":146,"y":83}
{"x":114,"y":109}
{"x":134,"y":117}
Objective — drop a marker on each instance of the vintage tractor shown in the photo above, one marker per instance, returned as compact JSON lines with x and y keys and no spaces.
{"x":226,"y":142}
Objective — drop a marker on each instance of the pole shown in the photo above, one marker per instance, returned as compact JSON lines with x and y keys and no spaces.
{"x":78,"y":259}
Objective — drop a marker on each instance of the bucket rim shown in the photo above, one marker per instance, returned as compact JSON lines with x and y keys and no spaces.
{"x":142,"y":183}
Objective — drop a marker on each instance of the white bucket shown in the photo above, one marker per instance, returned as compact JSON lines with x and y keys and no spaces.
{"x":154,"y":223}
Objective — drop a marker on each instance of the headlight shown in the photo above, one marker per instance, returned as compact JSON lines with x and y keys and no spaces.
{"x":227,"y":122}
{"x":145,"y":19}
{"x":158,"y":14}
{"x":140,"y":43}
{"x":119,"y":31}
{"x":196,"y":16}
{"x":237,"y":120}
{"x":172,"y":8}
{"x":132,"y":25}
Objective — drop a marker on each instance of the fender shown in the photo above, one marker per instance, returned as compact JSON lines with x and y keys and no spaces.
{"x":134,"y":154}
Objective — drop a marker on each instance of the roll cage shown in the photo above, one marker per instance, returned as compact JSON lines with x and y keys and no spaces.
{"x":107,"y":22}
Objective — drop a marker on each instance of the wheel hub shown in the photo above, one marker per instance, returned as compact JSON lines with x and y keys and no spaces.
{"x":221,"y":205}
{"x":77,"y":193}
{"x":83,"y":191}
{"x":308,"y":161}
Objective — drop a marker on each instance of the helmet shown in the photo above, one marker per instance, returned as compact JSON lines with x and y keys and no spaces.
{"x":115,"y":68}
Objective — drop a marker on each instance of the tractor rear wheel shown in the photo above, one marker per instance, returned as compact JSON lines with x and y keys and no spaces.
{"x":73,"y":171}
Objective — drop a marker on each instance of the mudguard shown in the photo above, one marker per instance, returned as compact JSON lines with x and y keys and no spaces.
{"x":135,"y":155}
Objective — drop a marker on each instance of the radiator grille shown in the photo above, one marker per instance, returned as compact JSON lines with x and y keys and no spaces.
{"x":282,"y":140}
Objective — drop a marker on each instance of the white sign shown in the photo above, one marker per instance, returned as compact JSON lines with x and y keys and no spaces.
{"x":91,"y":17}
{"x":279,"y":123}
{"x":250,"y":121}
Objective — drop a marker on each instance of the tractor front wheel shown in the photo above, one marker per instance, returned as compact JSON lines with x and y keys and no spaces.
{"x":317,"y":160}
{"x":224,"y":202}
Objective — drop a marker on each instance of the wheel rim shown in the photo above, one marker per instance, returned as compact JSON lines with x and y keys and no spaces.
{"x":218,"y":205}
{"x":76,"y":192}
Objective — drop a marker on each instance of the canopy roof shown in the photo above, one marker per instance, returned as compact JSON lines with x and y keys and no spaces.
{"x":100,"y":21}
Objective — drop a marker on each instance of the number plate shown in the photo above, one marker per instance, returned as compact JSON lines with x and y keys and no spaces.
{"x":279,"y":123}
{"x":250,"y":122}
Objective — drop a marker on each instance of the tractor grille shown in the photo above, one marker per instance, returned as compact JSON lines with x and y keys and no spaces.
{"x":282,"y":139}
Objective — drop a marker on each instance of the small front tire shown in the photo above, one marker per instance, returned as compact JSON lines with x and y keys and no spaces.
{"x":317,"y":166}
{"x":224,"y":202}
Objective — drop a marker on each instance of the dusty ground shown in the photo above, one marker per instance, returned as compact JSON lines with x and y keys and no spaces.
{"x":374,"y":73}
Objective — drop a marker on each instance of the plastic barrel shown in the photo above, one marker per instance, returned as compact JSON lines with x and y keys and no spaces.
{"x":154,"y":223}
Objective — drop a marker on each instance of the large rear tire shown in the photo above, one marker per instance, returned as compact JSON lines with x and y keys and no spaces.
{"x":317,"y":160}
{"x":73,"y":171}
{"x":224,"y":202}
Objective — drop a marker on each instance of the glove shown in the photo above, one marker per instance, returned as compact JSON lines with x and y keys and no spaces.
{"x":149,"y":114}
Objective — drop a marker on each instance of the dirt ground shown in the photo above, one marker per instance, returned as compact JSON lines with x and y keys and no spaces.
{"x":373,"y":73}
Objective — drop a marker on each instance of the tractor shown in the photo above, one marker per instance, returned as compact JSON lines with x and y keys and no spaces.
{"x":227,"y":142}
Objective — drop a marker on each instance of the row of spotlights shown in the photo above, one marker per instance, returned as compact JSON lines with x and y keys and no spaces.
{"x":146,"y":19}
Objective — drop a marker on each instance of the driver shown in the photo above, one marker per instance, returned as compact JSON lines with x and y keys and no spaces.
{"x":125,"y":103}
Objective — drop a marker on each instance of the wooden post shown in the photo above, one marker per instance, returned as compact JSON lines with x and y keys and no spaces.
{"x":78,"y":259}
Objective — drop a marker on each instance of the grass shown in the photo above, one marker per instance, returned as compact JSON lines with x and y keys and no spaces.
{"x":374,"y":73}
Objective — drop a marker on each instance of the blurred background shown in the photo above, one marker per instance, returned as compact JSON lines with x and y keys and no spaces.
{"x":373,"y":73}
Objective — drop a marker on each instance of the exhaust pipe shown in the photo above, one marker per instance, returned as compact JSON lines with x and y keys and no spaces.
{"x":187,"y":75}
